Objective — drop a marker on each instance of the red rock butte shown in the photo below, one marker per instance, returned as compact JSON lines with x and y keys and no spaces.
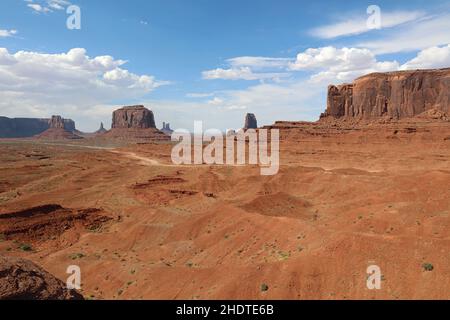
{"x":59,"y":129}
{"x":133,"y":117}
{"x":135,"y":123}
{"x":393,"y":95}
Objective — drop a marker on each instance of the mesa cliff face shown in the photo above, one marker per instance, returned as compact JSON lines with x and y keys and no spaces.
{"x":29,"y":127}
{"x":59,"y":129}
{"x":135,"y":123}
{"x":136,"y":117}
{"x":395,"y":95}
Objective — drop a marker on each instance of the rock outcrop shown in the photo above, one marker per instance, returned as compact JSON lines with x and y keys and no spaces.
{"x":21,"y":279}
{"x":250,"y":121}
{"x":56,"y":122}
{"x":135,"y":124}
{"x":59,"y":129}
{"x":395,"y":95}
{"x":137,"y":117}
{"x":101,"y":130}
{"x":166,"y":129}
{"x":28,"y":127}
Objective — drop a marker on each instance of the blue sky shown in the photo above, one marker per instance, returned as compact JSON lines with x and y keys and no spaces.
{"x":205,"y":60}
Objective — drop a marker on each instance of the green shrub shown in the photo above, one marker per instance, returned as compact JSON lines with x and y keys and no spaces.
{"x":76,"y":256}
{"x":428,"y":266}
{"x":25,"y":247}
{"x":264,"y":287}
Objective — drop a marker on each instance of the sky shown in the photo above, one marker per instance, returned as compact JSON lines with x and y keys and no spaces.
{"x":206,"y":60}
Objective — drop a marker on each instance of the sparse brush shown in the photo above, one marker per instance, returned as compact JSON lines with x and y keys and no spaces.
{"x":264,"y":287}
{"x":25,"y":247}
{"x":428,"y":267}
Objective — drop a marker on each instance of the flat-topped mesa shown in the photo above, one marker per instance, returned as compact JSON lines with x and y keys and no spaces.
{"x":135,"y":124}
{"x":250,"y":121}
{"x":136,"y":117}
{"x":29,"y":127}
{"x":395,"y":95}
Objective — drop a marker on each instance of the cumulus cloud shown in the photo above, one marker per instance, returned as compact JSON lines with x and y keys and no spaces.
{"x":299,"y":100}
{"x":70,"y":84}
{"x":345,"y":64}
{"x":434,"y":57}
{"x":358,"y":24}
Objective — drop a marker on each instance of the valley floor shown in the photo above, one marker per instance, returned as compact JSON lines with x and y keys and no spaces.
{"x":141,"y":228}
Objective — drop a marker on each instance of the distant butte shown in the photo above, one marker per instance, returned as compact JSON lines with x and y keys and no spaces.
{"x":135,"y":123}
{"x":101,"y":130}
{"x":250,"y":121}
{"x":59,"y":129}
{"x":137,"y":117}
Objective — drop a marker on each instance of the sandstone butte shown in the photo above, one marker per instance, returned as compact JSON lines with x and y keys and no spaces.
{"x":135,"y":123}
{"x":394,"y":95}
{"x":59,"y":128}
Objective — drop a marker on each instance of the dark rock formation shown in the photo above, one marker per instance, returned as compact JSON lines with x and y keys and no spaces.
{"x":59,"y":129}
{"x":21,"y":127}
{"x":394,"y":95}
{"x":137,"y":117}
{"x":29,"y":127}
{"x":250,"y":121}
{"x":166,"y":129}
{"x":56,"y":122}
{"x":21,"y":279}
{"x":101,"y":130}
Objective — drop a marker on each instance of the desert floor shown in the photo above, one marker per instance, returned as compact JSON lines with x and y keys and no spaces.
{"x":142,"y":228}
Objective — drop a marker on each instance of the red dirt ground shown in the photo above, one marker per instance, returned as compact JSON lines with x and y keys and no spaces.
{"x":346,"y":197}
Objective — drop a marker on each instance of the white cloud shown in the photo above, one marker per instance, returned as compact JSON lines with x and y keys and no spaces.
{"x":70,"y":84}
{"x":242,"y":73}
{"x":434,"y":57}
{"x":215,"y":101}
{"x":358,"y":24}
{"x":340,"y":65}
{"x":46,"y":6}
{"x":38,"y":8}
{"x":58,"y":4}
{"x":259,"y":62}
{"x":7,"y":33}
{"x":427,"y":32}
{"x":297,"y":100}
{"x":199,"y":95}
